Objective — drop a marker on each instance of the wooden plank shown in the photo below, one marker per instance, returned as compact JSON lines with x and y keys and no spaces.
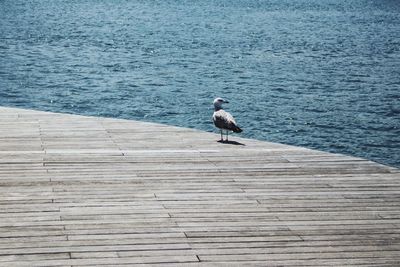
{"x":300,"y":256}
{"x":108,"y":261}
{"x":12,"y":259}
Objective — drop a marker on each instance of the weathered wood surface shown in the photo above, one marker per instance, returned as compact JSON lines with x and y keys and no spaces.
{"x":83,"y":191}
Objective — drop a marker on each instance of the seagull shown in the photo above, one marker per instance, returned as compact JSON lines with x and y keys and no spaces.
{"x":224,"y":120}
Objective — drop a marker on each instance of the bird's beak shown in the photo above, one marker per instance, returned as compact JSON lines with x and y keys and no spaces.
{"x":226,"y":101}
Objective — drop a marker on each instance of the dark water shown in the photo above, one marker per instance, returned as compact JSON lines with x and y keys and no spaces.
{"x":323,"y":74}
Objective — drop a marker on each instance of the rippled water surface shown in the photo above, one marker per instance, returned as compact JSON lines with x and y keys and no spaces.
{"x":323,"y":74}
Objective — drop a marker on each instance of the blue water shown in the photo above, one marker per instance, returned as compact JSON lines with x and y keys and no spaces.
{"x":323,"y":74}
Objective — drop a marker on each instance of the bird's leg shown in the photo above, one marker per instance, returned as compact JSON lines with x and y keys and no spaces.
{"x":227,"y":133}
{"x":222,"y":137}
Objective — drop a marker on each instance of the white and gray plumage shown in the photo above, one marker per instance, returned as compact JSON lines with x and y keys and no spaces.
{"x":224,"y":120}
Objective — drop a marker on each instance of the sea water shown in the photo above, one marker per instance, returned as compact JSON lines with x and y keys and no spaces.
{"x":322,"y":74}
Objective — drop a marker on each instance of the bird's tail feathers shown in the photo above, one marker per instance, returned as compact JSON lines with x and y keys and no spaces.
{"x":236,"y":129}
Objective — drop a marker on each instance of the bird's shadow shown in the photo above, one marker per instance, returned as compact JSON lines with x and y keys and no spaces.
{"x":230,"y":143}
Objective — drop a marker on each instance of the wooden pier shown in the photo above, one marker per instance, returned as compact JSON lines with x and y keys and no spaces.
{"x":87,"y":191}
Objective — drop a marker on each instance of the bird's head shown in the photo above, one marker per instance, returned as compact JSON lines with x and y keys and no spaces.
{"x":218,"y":103}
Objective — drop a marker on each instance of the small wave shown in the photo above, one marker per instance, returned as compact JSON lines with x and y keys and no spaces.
{"x":155,"y":84}
{"x":394,"y":112}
